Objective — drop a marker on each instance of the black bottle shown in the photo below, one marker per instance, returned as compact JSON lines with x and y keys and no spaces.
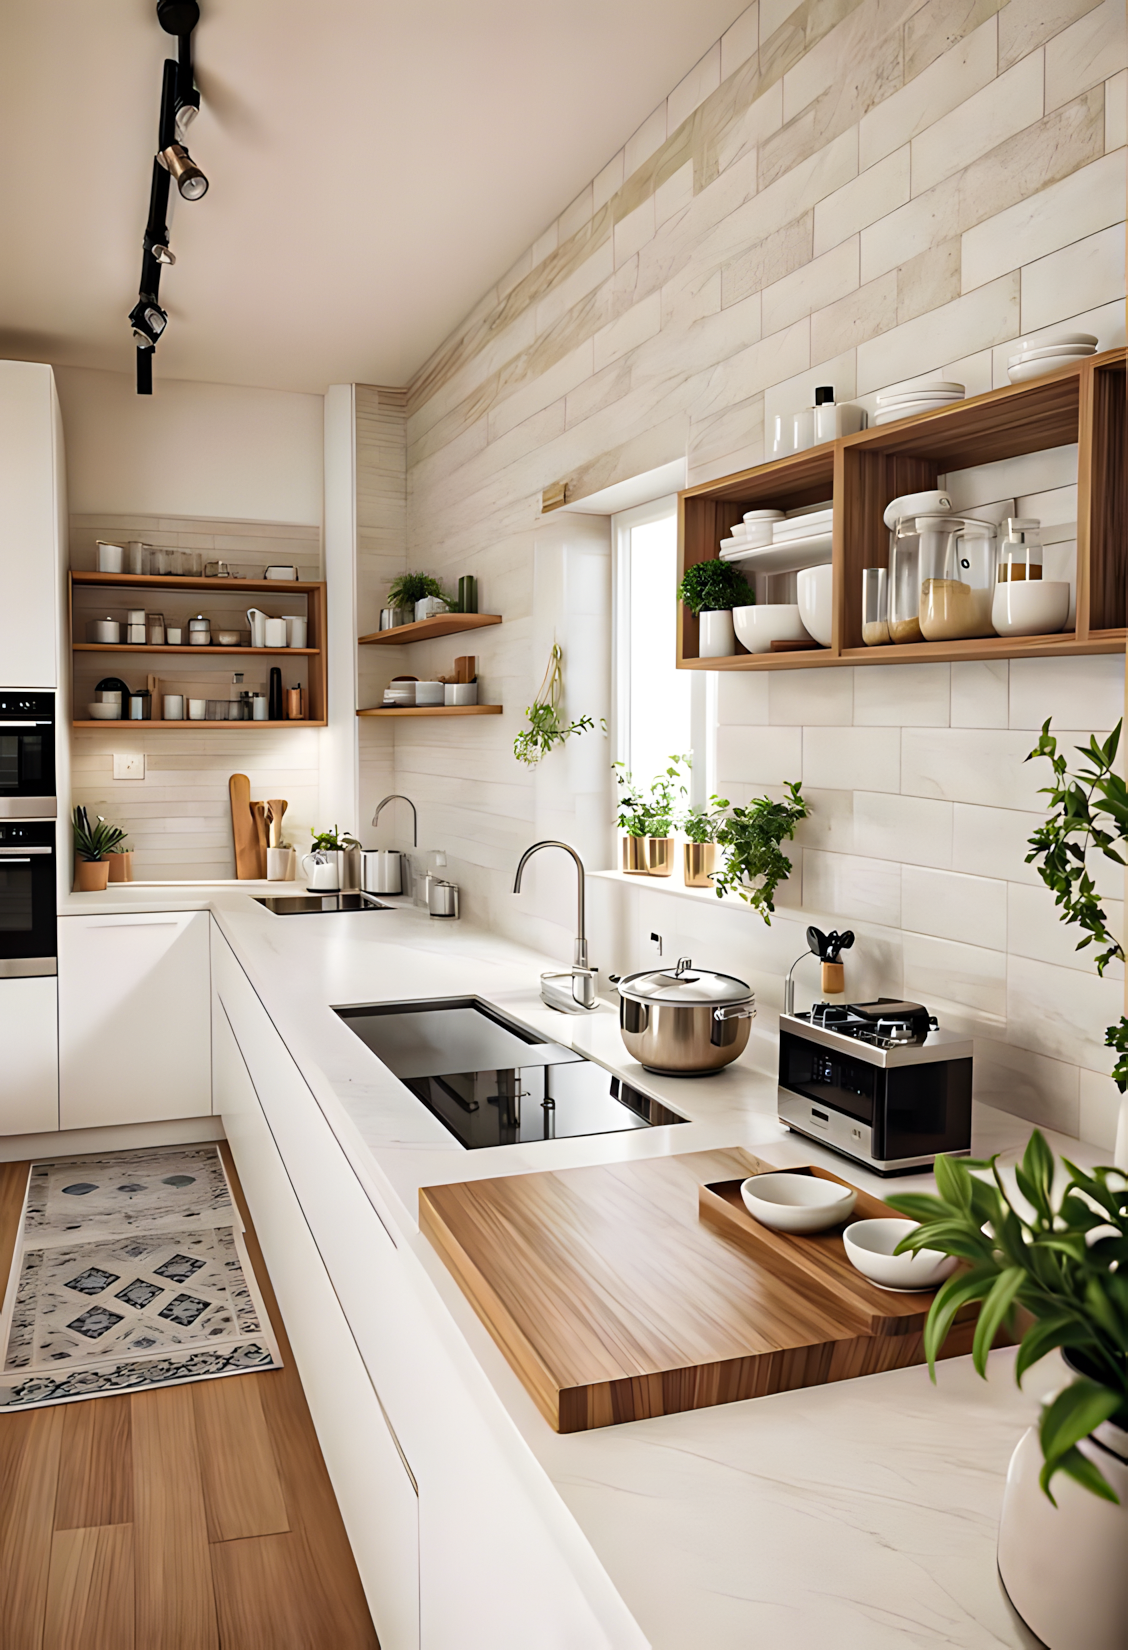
{"x":274,"y":707}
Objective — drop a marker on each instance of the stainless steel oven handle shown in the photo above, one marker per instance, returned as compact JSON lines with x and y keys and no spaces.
{"x":22,"y":853}
{"x":25,"y":724}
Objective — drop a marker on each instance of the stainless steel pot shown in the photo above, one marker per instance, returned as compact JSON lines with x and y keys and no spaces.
{"x":685,"y":1022}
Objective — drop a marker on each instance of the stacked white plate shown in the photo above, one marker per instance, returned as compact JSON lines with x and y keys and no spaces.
{"x":797,"y":541}
{"x":917,"y":398}
{"x":1037,"y":356}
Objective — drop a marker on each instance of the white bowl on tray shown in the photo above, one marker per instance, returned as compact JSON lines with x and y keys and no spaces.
{"x":815,"y":585}
{"x":758,"y":627}
{"x":869,"y":1247}
{"x":799,"y":1203}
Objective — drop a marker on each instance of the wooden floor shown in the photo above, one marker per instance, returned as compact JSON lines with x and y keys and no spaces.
{"x":199,"y":1517}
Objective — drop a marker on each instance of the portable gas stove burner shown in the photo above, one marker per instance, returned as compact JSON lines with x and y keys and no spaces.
{"x":885,"y":1023}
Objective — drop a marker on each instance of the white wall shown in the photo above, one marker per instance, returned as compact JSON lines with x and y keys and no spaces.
{"x":215,"y":450}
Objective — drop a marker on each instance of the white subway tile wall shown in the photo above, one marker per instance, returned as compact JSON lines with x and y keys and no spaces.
{"x":857,"y":195}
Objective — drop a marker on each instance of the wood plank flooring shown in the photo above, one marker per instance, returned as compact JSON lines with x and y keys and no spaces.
{"x":199,"y":1517}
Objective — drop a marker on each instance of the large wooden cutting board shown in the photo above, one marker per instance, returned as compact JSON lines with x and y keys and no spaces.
{"x":614,"y":1299}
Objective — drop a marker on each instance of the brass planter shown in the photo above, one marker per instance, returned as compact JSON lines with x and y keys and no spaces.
{"x":699,"y":863}
{"x":648,"y":856}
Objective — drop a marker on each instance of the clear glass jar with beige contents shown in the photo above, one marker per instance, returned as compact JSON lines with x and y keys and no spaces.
{"x":942,"y":577}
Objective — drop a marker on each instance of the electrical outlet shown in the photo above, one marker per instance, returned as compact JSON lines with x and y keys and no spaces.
{"x":129,"y":767}
{"x":656,"y":942}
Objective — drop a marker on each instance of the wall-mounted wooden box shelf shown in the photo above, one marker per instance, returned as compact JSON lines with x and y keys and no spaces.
{"x":125,"y":590}
{"x":426,"y":630}
{"x":433,"y":710}
{"x":1083,"y":404}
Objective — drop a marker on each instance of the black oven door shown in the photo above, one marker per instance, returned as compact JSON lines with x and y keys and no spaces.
{"x":27,"y":756}
{"x":27,"y":900}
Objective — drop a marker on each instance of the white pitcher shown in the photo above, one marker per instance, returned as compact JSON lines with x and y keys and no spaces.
{"x":322,"y":871}
{"x":257,"y":619}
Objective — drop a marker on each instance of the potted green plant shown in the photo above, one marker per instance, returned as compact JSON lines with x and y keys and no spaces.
{"x":648,"y":820}
{"x":1062,"y":1257}
{"x":419,"y":594}
{"x":546,"y":728}
{"x":700,"y":827}
{"x":92,"y":846}
{"x":755,"y":863}
{"x":711,"y":589}
{"x":326,"y":866}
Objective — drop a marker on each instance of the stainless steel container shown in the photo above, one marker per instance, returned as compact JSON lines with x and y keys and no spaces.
{"x":685,"y":1022}
{"x":381,"y":871}
{"x":199,"y":631}
{"x":442,"y":898}
{"x":392,"y":617}
{"x":103,"y":630}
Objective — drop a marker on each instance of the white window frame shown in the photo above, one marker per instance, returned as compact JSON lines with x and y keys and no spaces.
{"x":703,"y":683}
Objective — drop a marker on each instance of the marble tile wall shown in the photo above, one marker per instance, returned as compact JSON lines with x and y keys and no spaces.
{"x":853,"y":193}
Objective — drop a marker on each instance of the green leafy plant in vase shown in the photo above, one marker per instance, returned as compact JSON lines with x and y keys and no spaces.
{"x":93,"y":844}
{"x":335,"y":841}
{"x":710,"y":590}
{"x":546,"y":728}
{"x":409,"y":589}
{"x":648,"y":819}
{"x":701,"y":827}
{"x":752,"y":837}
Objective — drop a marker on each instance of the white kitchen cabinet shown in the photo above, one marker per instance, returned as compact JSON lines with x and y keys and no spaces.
{"x":29,"y":1056}
{"x":134,"y":1018}
{"x":31,"y":520}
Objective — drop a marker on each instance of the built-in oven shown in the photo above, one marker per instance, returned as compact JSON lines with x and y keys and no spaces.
{"x":27,"y":898}
{"x":27,"y":755}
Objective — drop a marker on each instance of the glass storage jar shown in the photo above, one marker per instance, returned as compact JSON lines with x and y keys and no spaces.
{"x":904,"y":582}
{"x":1020,"y":552}
{"x":957,"y":577}
{"x":875,"y":605}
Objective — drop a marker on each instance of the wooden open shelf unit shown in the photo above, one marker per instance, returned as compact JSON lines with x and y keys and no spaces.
{"x":426,"y":630}
{"x":1084,"y":403}
{"x":433,"y":710}
{"x":135,"y":585}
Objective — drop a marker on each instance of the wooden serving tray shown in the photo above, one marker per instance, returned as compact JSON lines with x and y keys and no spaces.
{"x":640,"y":1289}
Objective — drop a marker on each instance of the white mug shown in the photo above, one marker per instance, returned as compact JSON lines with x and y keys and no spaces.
{"x":111,"y":557}
{"x":275,"y":632}
{"x":173,"y":707}
{"x":295,"y":630}
{"x":321,"y":871}
{"x":279,"y":864}
{"x":256,"y":618}
{"x":197,"y":710}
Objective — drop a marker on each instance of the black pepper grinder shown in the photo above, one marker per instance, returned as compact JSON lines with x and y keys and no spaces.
{"x":274,"y":708}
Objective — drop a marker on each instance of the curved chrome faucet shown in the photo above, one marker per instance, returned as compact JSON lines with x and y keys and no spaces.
{"x":581,"y":977}
{"x":398,"y":796}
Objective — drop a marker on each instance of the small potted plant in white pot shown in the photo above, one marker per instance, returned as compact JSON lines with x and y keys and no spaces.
{"x":711,"y":589}
{"x":701,"y":827}
{"x":648,"y":821}
{"x":419,"y":593}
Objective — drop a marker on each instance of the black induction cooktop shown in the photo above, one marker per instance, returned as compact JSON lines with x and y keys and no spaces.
{"x":303,"y":905}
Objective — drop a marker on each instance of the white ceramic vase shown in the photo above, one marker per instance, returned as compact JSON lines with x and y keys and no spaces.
{"x":716,"y":637}
{"x":1064,"y":1567}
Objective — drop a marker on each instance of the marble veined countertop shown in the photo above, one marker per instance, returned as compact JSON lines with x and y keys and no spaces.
{"x":861,"y":1514}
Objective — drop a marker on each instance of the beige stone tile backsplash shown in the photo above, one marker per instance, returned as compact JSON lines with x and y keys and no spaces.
{"x":854,"y":193}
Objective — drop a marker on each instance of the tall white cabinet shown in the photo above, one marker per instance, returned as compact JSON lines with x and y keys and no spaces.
{"x":32,"y":524}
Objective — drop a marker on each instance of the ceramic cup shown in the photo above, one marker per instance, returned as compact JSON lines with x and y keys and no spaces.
{"x":716,"y":637}
{"x":173,"y":707}
{"x":295,"y":630}
{"x":197,"y":710}
{"x":174,"y":635}
{"x":274,"y":633}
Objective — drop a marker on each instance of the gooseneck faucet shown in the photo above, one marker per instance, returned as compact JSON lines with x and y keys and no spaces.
{"x":580,"y":990}
{"x":398,"y":796}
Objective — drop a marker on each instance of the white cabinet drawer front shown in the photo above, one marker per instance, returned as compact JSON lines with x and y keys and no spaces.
{"x":29,"y":1056}
{"x":134,"y":1018}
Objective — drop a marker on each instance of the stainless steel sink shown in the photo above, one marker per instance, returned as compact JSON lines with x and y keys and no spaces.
{"x":491,"y":1081}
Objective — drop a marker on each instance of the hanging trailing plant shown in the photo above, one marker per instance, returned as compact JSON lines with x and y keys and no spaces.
{"x":1088,"y":809}
{"x":755,"y":864}
{"x":546,"y":730}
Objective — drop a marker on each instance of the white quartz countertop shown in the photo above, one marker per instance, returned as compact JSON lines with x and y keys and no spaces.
{"x":861,"y":1514}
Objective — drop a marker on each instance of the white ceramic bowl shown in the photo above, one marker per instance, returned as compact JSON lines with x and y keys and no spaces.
{"x":933,"y":386}
{"x":870,"y":1245}
{"x":1059,"y":341}
{"x":814,"y":586}
{"x":758,"y":627}
{"x":1024,"y":370}
{"x":1071,"y":351}
{"x":226,"y":638}
{"x":104,"y":713}
{"x":797,"y":1202}
{"x":1038,"y":607}
{"x":751,"y":516}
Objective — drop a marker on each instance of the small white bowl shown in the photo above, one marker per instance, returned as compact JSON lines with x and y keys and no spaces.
{"x":758,"y":627}
{"x":226,"y":638}
{"x":104,"y":713}
{"x":1070,"y":350}
{"x":801,"y":1203}
{"x":1060,"y":340}
{"x":870,"y":1245}
{"x":763,"y":515}
{"x":1024,"y":370}
{"x":1034,"y":607}
{"x":815,"y":585}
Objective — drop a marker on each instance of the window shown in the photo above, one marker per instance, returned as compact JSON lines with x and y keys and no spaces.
{"x":659,"y":710}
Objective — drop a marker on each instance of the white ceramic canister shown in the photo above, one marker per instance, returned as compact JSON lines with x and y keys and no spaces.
{"x":295,"y":630}
{"x":275,"y":632}
{"x":197,"y":710}
{"x":716,"y":637}
{"x":173,"y":707}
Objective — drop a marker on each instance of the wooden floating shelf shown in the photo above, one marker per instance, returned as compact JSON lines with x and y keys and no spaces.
{"x":213,"y":723}
{"x":1083,"y":404}
{"x":426,"y":630}
{"x":187,"y":648}
{"x":183,"y":581}
{"x":433,"y":710}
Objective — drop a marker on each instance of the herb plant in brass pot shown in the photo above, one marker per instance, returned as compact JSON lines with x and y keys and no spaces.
{"x":700,"y":827}
{"x":648,"y":821}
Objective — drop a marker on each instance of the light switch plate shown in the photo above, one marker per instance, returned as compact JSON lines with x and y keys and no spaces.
{"x":656,"y":942}
{"x":129,"y":767}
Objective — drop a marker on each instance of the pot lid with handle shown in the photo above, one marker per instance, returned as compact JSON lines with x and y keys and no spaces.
{"x":684,"y":986}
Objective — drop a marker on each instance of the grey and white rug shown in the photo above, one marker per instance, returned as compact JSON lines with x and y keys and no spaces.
{"x":130,"y":1271}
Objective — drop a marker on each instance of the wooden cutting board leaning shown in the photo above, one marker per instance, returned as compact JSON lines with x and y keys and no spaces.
{"x":255,"y":826}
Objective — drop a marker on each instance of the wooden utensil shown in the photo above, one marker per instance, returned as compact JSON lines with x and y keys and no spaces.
{"x":614,"y":1300}
{"x":465,"y":667}
{"x":275,"y":808}
{"x":258,"y":813}
{"x":243,"y":829}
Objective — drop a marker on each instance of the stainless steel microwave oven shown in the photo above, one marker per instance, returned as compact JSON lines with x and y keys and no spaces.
{"x":27,"y":755}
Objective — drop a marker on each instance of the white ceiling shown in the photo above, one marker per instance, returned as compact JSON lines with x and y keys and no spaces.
{"x":374,"y":167}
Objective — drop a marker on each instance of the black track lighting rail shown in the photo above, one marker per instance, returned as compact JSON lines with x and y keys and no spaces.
{"x":180,"y":103}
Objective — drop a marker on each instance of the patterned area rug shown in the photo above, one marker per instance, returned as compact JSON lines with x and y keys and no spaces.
{"x":130,"y":1271}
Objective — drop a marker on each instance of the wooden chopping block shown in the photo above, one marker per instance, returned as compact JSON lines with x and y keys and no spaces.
{"x":258,"y":813}
{"x":275,"y":808}
{"x":465,"y":667}
{"x":243,"y":830}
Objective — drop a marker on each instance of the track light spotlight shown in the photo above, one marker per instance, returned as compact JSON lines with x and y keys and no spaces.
{"x":148,"y":321}
{"x":189,"y":179}
{"x":187,"y":108}
{"x":161,"y":253}
{"x":178,"y":16}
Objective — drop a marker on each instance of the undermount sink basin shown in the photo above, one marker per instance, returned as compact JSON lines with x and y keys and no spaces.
{"x":316,"y":905}
{"x":492,"y":1082}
